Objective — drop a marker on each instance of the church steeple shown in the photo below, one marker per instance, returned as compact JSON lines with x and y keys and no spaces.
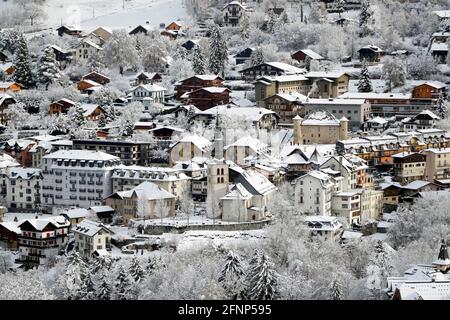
{"x":218,"y":139}
{"x":443,"y":261}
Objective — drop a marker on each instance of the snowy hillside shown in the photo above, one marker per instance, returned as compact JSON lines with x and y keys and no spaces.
{"x":113,"y":13}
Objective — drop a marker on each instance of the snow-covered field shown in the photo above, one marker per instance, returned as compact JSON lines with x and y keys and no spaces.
{"x":114,"y":14}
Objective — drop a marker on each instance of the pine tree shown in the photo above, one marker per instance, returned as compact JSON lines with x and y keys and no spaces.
{"x":262,"y":278}
{"x":257,"y":57}
{"x":136,"y":271}
{"x":77,"y":117}
{"x":74,"y":276}
{"x":245,"y":26}
{"x":123,"y":285}
{"x":335,"y":290}
{"x":198,"y":61}
{"x":87,"y":290}
{"x":97,"y":265}
{"x":441,"y":107}
{"x":22,"y":64}
{"x":364,"y":18}
{"x":104,"y":290}
{"x":231,"y":276}
{"x":48,"y":70}
{"x":218,"y":51}
{"x":151,"y":265}
{"x":364,"y":84}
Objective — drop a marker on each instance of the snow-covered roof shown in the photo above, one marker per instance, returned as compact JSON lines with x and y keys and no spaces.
{"x":417,"y":184}
{"x":89,"y":42}
{"x":442,"y":13}
{"x":325,"y":74}
{"x":286,"y":78}
{"x":438,"y":46}
{"x":206,"y":77}
{"x":256,"y":180}
{"x":149,"y":88}
{"x":332,"y":101}
{"x":90,"y":228}
{"x":249,"y":141}
{"x":375,"y":95}
{"x":41,"y":223}
{"x":402,"y":155}
{"x":235,"y":3}
{"x":7,"y":161}
{"x":238,"y":191}
{"x":372,"y":47}
{"x":200,"y":142}
{"x":81,"y":155}
{"x":11,"y":226}
{"x":75,"y":213}
{"x":45,"y":137}
{"x":213,"y":89}
{"x":98,"y":209}
{"x":57,"y":48}
{"x":287,"y":68}
{"x":23,"y":173}
{"x":89,"y":108}
{"x":320,"y":118}
{"x":434,"y":84}
{"x":91,"y":82}
{"x":313,"y":55}
{"x":438,"y":150}
{"x":324,"y":223}
{"x":146,"y":190}
{"x":291,"y":97}
{"x":378,"y":120}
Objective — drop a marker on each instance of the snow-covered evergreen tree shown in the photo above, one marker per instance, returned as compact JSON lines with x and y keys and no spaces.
{"x":364,"y":18}
{"x":47,"y":69}
{"x":218,"y":51}
{"x":364,"y":83}
{"x":257,"y":57}
{"x":74,"y":276}
{"x":123,"y":285}
{"x":104,"y":290}
{"x":232,"y":276}
{"x":198,"y":61}
{"x":335,"y":289}
{"x":379,"y":268}
{"x":76,"y":115}
{"x":87,"y":288}
{"x":441,"y":107}
{"x":22,"y":63}
{"x":262,"y":279}
{"x":136,"y":271}
{"x":245,"y":26}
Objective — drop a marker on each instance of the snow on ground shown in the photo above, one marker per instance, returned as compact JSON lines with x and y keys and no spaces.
{"x":183,"y":221}
{"x":197,"y":239}
{"x":89,"y":14}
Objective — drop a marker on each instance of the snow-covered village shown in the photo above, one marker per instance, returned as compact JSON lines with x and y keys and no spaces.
{"x":224,"y":150}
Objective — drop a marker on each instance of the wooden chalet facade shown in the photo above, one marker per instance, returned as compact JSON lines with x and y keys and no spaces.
{"x":69,"y":31}
{"x":148,"y":78}
{"x":97,"y":77}
{"x":243,"y":56}
{"x":197,"y":82}
{"x":430,"y":90}
{"x":206,"y":98}
{"x":140,"y":29}
{"x":61,"y":106}
{"x":286,"y":106}
{"x":371,"y":54}
{"x":10,"y":87}
{"x":5,"y":101}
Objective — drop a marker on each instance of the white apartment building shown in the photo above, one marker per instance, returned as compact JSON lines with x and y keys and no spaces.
{"x":437,"y":164}
{"x":77,"y":178}
{"x":313,"y":192}
{"x":347,"y":205}
{"x":41,"y":239}
{"x":148,"y":91}
{"x":91,"y":236}
{"x":23,"y":188}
